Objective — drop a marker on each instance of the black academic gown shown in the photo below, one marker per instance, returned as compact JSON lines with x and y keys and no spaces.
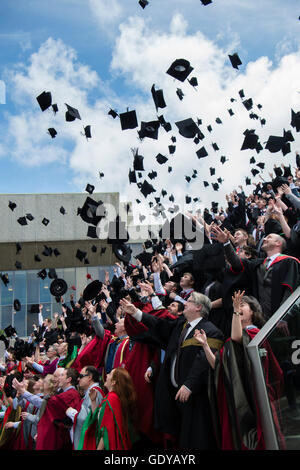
{"x":189,"y":422}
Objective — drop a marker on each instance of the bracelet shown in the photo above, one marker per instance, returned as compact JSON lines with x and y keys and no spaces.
{"x":236,"y":313}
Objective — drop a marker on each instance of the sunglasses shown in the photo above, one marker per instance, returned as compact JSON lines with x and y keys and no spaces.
{"x":80,"y":376}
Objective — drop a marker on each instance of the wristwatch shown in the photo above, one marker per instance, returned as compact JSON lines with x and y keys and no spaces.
{"x":236,"y":313}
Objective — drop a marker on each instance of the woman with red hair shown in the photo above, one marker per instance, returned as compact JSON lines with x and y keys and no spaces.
{"x":111,"y":426}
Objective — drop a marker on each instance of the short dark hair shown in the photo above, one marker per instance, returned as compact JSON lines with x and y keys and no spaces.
{"x":73,"y":373}
{"x":91,"y":370}
{"x":180,"y":305}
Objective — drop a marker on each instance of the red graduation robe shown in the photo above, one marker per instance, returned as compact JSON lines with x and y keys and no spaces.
{"x":51,"y":434}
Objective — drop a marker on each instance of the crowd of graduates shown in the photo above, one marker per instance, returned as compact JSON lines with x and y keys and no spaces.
{"x":155,"y":357}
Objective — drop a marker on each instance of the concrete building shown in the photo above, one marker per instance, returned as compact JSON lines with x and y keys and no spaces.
{"x":53,"y":232}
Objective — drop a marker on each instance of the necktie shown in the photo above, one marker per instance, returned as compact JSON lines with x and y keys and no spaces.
{"x":110,"y":356}
{"x":180,"y":340}
{"x":266,"y":262}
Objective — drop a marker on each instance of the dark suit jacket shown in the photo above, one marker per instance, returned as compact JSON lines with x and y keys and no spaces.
{"x":190,"y":421}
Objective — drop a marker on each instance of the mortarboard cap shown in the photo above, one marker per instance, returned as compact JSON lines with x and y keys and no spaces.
{"x":146,"y":188}
{"x":138,"y":162}
{"x":149,"y":129}
{"x":215,"y":146}
{"x":112,"y":113}
{"x":29,"y":217}
{"x":261,"y":165}
{"x":252,"y":160}
{"x":44,"y":100}
{"x":205,"y":184}
{"x":248,"y":104}
{"x":235,"y":60}
{"x":212,"y":171}
{"x":180,"y":93}
{"x":170,"y":169}
{"x":206,"y":2}
{"x":128,"y":120}
{"x":87,"y":132}
{"x":132,"y":176}
{"x":158,"y":98}
{"x":274,"y":143}
{"x":90,"y":188}
{"x":250,"y":140}
{"x":18,"y":247}
{"x":17,"y":305}
{"x":248,"y":181}
{"x":180,"y":69}
{"x":52,"y":132}
{"x":62,"y":210}
{"x":215,"y":186}
{"x":4,"y":279}
{"x":80,"y":255}
{"x":193,"y":81}
{"x":202,"y":153}
{"x":47,"y":251}
{"x":172,"y":149}
{"x":161,"y":159}
{"x":254,"y":171}
{"x":52,"y":273}
{"x":230,"y":112}
{"x":42,"y":274}
{"x":18,"y":265}
{"x":71,"y":113}
{"x":37,"y":258}
{"x":9,"y":331}
{"x":12,"y":205}
{"x":187,"y":128}
{"x":54,"y":108}
{"x":143,"y":3}
{"x":295,"y":120}
{"x":22,"y":221}
{"x":58,"y":287}
{"x":242,"y":94}
{"x":94,"y":249}
{"x":223,"y":159}
{"x":45,"y":221}
{"x":92,"y":290}
{"x":218,"y":120}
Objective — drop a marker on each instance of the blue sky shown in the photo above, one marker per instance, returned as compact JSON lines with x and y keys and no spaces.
{"x":97,"y":54}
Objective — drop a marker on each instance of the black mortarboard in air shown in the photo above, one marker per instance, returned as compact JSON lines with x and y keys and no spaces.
{"x":193,"y":81}
{"x":94,"y":249}
{"x":47,"y":251}
{"x":172,"y":149}
{"x":230,"y":112}
{"x":187,"y":128}
{"x":138,"y":162}
{"x":158,"y":98}
{"x":254,"y":171}
{"x":250,"y":140}
{"x":146,"y":188}
{"x":22,"y":220}
{"x":113,"y":113}
{"x":17,"y":305}
{"x":261,"y":165}
{"x":170,"y":169}
{"x":37,"y":258}
{"x":286,"y":148}
{"x":212,"y":171}
{"x":52,"y":273}
{"x":278,"y":171}
{"x":143,"y":3}
{"x":295,"y":120}
{"x":152,"y":175}
{"x":297,"y":160}
{"x":201,"y":153}
{"x":132,"y":176}
{"x":9,"y":331}
{"x":180,"y":69}
{"x":180,"y":93}
{"x":274,"y":143}
{"x":92,"y":290}
{"x":287,"y":171}
{"x":12,"y":205}
{"x":52,"y":132}
{"x":188,"y":179}
{"x":223,"y":159}
{"x":288,"y":136}
{"x":80,"y":254}
{"x":149,"y":129}
{"x":218,"y":120}
{"x":72,"y":113}
{"x":205,"y":184}
{"x":90,"y":188}
{"x":29,"y":217}
{"x":235,"y":60}
{"x":248,"y":104}
{"x":215,"y":186}
{"x":54,"y":108}
{"x":188,"y":199}
{"x":161,"y":159}
{"x":58,"y":287}
{"x":62,"y":210}
{"x":92,"y":231}
{"x":42,"y":274}
{"x":5,"y":279}
{"x":44,"y":100}
{"x":248,"y":181}
{"x":87,"y":132}
{"x":252,"y":160}
{"x":18,"y":265}
{"x":128,"y":120}
{"x":56,"y":252}
{"x":241,"y":93}
{"x":45,"y":221}
{"x":18,"y":247}
{"x":34,"y":308}
{"x":215,"y":146}
{"x":206,"y":2}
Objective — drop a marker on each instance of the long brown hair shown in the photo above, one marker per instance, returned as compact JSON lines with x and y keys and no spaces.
{"x":125,"y":390}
